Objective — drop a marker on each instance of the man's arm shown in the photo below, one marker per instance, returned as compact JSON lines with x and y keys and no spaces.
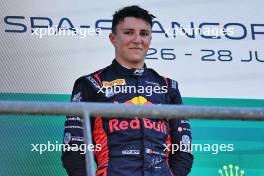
{"x":180,"y":162}
{"x":74,"y":161}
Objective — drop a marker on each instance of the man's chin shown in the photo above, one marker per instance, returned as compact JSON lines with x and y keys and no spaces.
{"x":136,"y":60}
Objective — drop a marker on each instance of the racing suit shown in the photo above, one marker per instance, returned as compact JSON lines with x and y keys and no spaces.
{"x":137,"y":146}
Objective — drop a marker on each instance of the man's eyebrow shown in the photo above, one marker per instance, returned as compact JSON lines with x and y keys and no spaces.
{"x":128,"y":29}
{"x":131,"y":29}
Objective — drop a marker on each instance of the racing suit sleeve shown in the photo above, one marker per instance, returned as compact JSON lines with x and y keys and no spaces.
{"x":74,"y":161}
{"x":180,"y":161}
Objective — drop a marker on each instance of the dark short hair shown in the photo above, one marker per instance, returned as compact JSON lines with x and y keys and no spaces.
{"x":131,"y":11}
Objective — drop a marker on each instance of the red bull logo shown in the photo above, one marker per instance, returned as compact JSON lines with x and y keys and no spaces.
{"x":138,"y":100}
{"x":118,"y":125}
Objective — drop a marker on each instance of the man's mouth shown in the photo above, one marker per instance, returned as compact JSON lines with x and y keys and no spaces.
{"x":136,"y":48}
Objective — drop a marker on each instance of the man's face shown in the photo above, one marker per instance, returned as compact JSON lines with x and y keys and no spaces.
{"x":131,"y":40}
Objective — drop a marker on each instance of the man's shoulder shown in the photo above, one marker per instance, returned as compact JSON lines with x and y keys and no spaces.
{"x":171,"y":83}
{"x":93,"y":79}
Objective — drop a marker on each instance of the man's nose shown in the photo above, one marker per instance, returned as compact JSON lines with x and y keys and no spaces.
{"x":137,"y":38}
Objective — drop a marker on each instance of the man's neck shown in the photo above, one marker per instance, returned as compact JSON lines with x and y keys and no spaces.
{"x":129,"y":65}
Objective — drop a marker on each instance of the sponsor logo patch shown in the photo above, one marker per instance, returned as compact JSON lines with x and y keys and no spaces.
{"x":67,"y":138}
{"x":186,"y":139}
{"x":130,"y":152}
{"x":77,"y":98}
{"x":116,"y":82}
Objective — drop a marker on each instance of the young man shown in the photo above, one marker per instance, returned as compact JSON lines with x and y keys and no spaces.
{"x":129,"y":146}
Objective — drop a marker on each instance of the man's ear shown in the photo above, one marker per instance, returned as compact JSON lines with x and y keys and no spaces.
{"x":112,"y":38}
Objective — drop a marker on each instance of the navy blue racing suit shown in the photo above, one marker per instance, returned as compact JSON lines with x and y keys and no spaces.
{"x":123,"y":146}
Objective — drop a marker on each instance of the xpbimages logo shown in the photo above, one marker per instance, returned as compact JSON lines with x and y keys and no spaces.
{"x":76,"y":32}
{"x":185,"y":145}
{"x":57,"y":147}
{"x":147,"y":90}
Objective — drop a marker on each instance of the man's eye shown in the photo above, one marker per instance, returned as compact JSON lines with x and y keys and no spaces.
{"x":144,"y":33}
{"x":128,"y":32}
